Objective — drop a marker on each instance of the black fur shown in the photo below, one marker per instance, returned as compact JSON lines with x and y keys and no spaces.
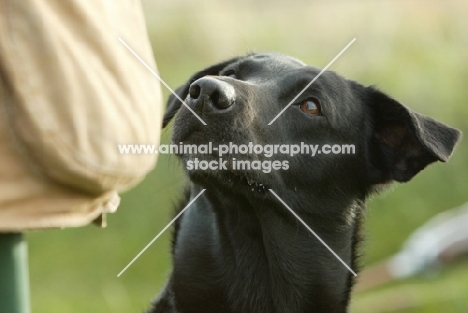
{"x":237,"y":248}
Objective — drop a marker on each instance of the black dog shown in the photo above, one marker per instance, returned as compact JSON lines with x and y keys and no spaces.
{"x":237,"y":249}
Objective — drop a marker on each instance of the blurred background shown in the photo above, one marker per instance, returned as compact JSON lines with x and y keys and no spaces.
{"x":417,"y":51}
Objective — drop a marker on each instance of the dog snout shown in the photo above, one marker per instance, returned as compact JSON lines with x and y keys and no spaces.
{"x":209,"y":94}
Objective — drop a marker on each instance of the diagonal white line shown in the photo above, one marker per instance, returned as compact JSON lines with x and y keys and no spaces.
{"x":313,"y":80}
{"x":160,"y":79}
{"x":161,"y":232}
{"x":313,"y":233}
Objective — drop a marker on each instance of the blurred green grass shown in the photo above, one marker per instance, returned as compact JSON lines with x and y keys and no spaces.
{"x":417,"y":51}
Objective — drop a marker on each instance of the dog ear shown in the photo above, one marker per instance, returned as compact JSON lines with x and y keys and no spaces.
{"x":174,"y":104}
{"x":403,"y":142}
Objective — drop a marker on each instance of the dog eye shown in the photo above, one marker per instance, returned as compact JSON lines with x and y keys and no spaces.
{"x":230,"y":73}
{"x":311,"y":106}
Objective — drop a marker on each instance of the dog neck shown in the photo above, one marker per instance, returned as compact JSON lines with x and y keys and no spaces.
{"x":268,"y":261}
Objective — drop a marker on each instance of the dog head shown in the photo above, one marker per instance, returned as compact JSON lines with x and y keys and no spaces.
{"x":238,"y":99}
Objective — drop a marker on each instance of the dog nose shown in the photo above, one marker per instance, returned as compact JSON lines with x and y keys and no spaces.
{"x":209,"y":92}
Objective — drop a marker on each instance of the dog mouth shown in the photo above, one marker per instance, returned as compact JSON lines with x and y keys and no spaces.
{"x":226,"y":171}
{"x":246,"y":180}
